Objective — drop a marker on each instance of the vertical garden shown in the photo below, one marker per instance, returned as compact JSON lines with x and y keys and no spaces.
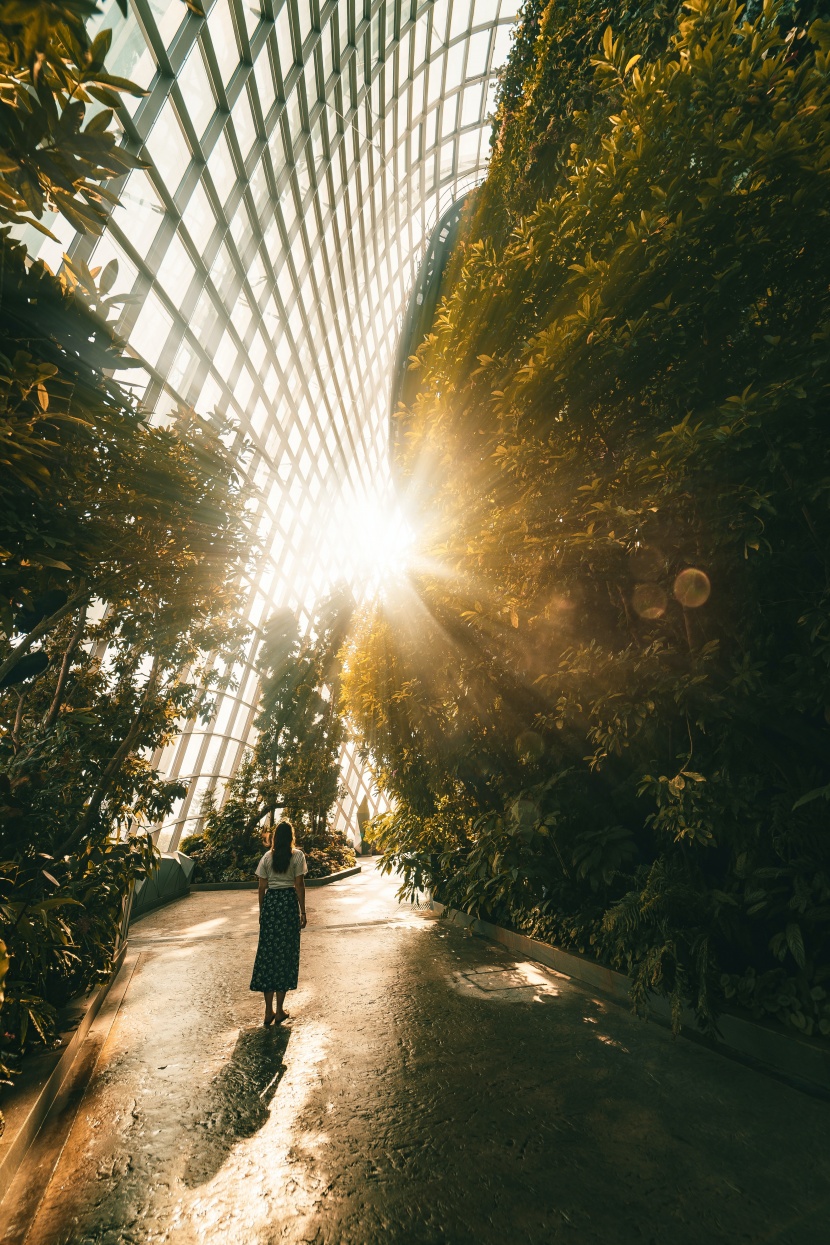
{"x":599,"y":701}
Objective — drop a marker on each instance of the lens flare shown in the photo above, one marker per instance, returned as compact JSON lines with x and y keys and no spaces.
{"x":647,"y":563}
{"x":692,"y":588}
{"x":649,"y":600}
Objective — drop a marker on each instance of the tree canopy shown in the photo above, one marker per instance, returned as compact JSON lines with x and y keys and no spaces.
{"x":294,"y":766}
{"x":122,"y":544}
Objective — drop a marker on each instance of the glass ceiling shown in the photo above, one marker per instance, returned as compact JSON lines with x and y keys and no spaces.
{"x":301,"y":154}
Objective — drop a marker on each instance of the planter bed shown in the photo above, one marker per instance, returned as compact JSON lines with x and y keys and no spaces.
{"x":48,"y":1075}
{"x":802,"y":1062}
{"x":252,"y":886}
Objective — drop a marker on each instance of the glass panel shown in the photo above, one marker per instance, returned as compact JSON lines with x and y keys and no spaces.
{"x":460,"y":20}
{"x":501,"y":47}
{"x":304,"y":13}
{"x":169,"y":16}
{"x":435,"y":77}
{"x":221,"y":167}
{"x":279,"y":157}
{"x":439,"y":26}
{"x":204,"y":316}
{"x":285,"y":47}
{"x":289,"y":212}
{"x":251,"y":14}
{"x":222,"y":271}
{"x":431,"y":128}
{"x":477,"y":56}
{"x":302,"y":173}
{"x":471,"y":106}
{"x":177,"y":270}
{"x":295,"y":120}
{"x":140,"y":213}
{"x":243,"y":388}
{"x":243,"y":121}
{"x":264,"y":78}
{"x":198,"y":96}
{"x":485,"y":11}
{"x":260,"y":190}
{"x":448,"y":118}
{"x":151,"y":329}
{"x":223,"y":37}
{"x":468,"y":146}
{"x":455,"y":67}
{"x":198,"y":216}
{"x":241,"y":230}
{"x":447,"y":156}
{"x":310,"y":81}
{"x":420,"y":42}
{"x":226,"y":356}
{"x":183,"y":369}
{"x":168,"y":149}
{"x":328,"y":54}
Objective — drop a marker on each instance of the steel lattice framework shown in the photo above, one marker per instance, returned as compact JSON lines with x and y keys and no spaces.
{"x":300,"y":154}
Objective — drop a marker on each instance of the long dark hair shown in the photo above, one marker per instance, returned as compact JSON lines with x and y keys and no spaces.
{"x":282,"y":846}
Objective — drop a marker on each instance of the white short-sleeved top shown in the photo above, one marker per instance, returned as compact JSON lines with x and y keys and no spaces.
{"x":296,"y":868}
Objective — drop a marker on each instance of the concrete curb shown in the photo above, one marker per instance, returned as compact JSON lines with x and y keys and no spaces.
{"x":163,"y":903}
{"x":334,"y":877}
{"x":221,"y":886}
{"x":29,"y":1101}
{"x":252,"y":886}
{"x":801,"y":1062}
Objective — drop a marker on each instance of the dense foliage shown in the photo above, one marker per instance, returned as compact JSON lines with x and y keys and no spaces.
{"x":120,"y":547}
{"x":601,"y":703}
{"x":294,"y":766}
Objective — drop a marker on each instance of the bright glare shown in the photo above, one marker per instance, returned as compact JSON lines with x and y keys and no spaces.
{"x":377,"y":541}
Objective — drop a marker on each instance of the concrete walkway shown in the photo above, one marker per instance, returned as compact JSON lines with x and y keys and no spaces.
{"x":429,"y":1090}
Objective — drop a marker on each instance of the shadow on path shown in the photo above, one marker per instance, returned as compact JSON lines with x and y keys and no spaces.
{"x":235,"y":1103}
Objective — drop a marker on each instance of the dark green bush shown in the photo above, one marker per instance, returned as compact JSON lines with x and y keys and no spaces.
{"x":121,"y":546}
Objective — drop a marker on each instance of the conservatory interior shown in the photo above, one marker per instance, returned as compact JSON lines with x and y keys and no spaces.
{"x":414,"y":621}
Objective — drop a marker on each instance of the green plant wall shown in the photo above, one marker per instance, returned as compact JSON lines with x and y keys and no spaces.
{"x":599,"y":703}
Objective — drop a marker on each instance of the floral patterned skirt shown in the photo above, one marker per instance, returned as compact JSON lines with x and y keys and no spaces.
{"x":277,"y":962}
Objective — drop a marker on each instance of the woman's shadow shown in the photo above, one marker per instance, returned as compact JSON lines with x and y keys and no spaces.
{"x":235,"y":1103}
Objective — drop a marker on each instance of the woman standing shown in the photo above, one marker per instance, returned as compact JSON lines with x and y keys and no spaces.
{"x":281,"y":917}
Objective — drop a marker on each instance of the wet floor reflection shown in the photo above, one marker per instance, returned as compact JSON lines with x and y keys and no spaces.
{"x":235,"y":1103}
{"x":431,"y":1088}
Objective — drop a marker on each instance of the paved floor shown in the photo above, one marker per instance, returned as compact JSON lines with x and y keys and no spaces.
{"x":428,"y":1090}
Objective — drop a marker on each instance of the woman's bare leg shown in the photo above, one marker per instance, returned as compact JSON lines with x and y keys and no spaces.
{"x":269,"y":1004}
{"x":281,"y":1012}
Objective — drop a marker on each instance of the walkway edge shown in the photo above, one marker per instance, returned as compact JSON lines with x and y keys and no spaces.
{"x":28,"y":1103}
{"x":252,"y":886}
{"x":800,"y":1062}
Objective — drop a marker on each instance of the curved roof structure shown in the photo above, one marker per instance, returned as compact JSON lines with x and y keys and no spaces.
{"x":301,"y":154}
